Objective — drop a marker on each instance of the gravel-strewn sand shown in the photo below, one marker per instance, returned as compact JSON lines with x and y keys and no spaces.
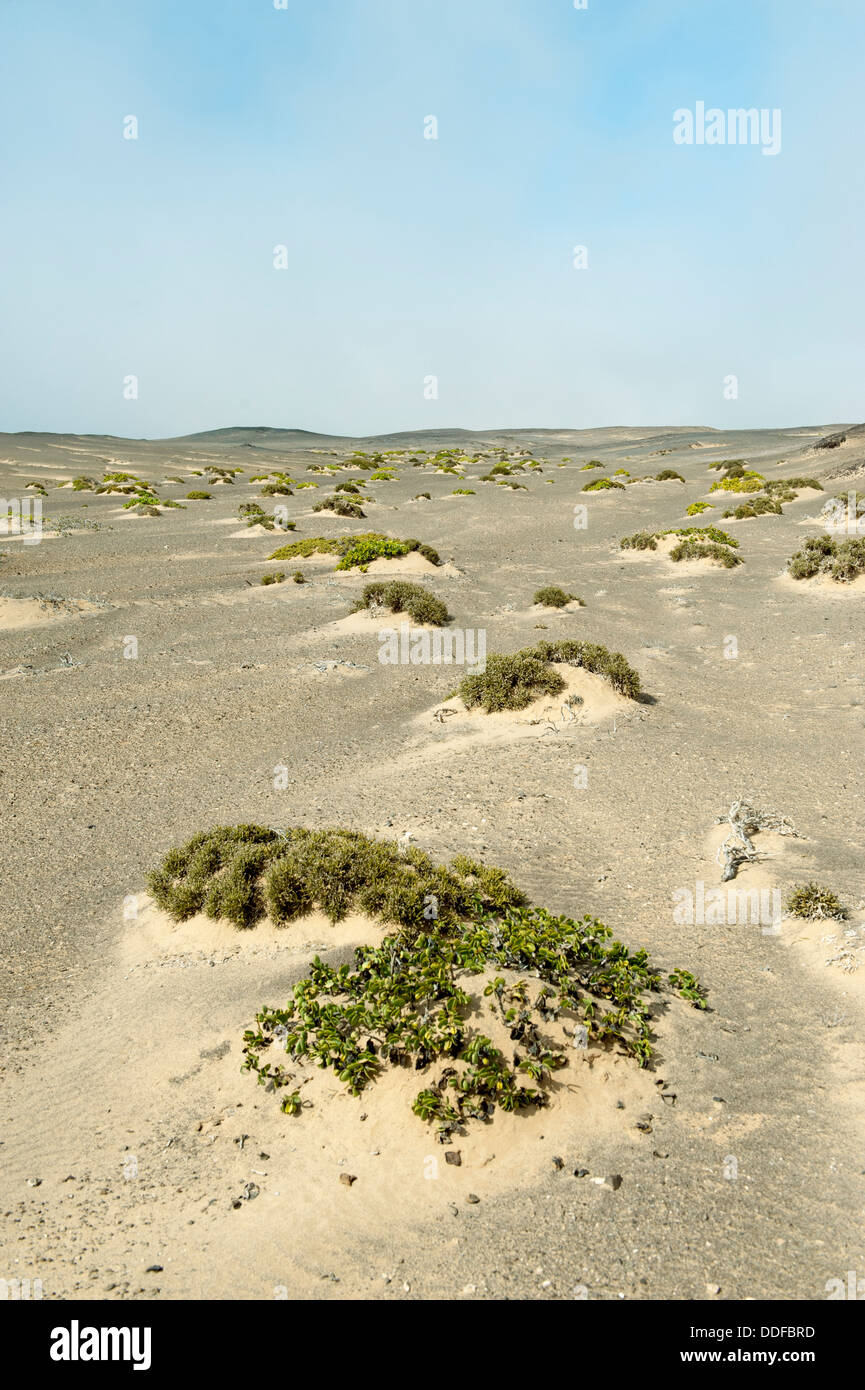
{"x":130,"y":1138}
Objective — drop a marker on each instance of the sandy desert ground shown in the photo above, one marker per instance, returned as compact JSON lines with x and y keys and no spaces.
{"x":137,"y":1160}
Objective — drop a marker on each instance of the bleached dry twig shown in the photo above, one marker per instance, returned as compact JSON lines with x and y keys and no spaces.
{"x":745,"y":820}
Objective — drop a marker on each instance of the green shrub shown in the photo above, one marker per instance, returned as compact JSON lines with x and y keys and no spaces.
{"x":277,"y":577}
{"x":697,"y":507}
{"x":648,"y":540}
{"x":424,"y":495}
{"x":298,"y":577}
{"x":706,"y":550}
{"x":400,"y":596}
{"x":276,"y":490}
{"x":144,"y":499}
{"x":310,"y":545}
{"x":359,"y":551}
{"x":462,"y":492}
{"x":740,"y":482}
{"x":759,"y":506}
{"x":810,"y":900}
{"x":553,"y":597}
{"x":514,"y":681}
{"x":198,"y":496}
{"x":643,"y":540}
{"x":602,"y":484}
{"x":668,"y":475}
{"x":342,"y":506}
{"x":405,"y":1002}
{"x":843,"y":561}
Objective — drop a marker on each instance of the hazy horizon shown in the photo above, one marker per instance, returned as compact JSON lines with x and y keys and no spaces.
{"x":405,"y":258}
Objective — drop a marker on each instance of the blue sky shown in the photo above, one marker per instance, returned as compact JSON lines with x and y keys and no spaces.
{"x":410,"y":258}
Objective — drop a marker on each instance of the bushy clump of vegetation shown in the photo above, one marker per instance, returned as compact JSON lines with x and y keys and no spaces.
{"x":734,"y":466}
{"x":422,"y":496}
{"x":463,"y":492}
{"x":696,"y":508}
{"x":401,"y":596}
{"x":310,"y":545}
{"x":512,"y":681}
{"x":197,"y":496}
{"x":810,"y":900}
{"x":843,"y":561}
{"x":143,"y":499}
{"x":620,"y":473}
{"x":648,"y":540}
{"x":758,"y":506}
{"x":603,"y":485}
{"x":355,"y":551}
{"x":668,"y":475}
{"x":244,"y":872}
{"x":278,"y":489}
{"x":360,"y":551}
{"x":406,"y":1002}
{"x":554,"y":597}
{"x":706,"y":550}
{"x":787,"y":489}
{"x":342,"y":506}
{"x":278,"y":577}
{"x":305,"y":484}
{"x":84,"y":484}
{"x":382,"y":475}
{"x":592,"y":463}
{"x":348,"y":487}
{"x":175,"y":480}
{"x":745,"y":481}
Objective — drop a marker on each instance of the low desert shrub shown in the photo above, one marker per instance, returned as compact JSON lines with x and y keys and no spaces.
{"x":512,"y":681}
{"x":842,"y":561}
{"x":553,"y":597}
{"x":746,"y":481}
{"x":810,"y":900}
{"x":198,"y":496}
{"x":404,"y":1002}
{"x":758,"y":506}
{"x":668,"y":475}
{"x":401,"y":596}
{"x":341,"y":506}
{"x":144,"y":499}
{"x":706,"y":550}
{"x":602,"y":485}
{"x":278,"y":577}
